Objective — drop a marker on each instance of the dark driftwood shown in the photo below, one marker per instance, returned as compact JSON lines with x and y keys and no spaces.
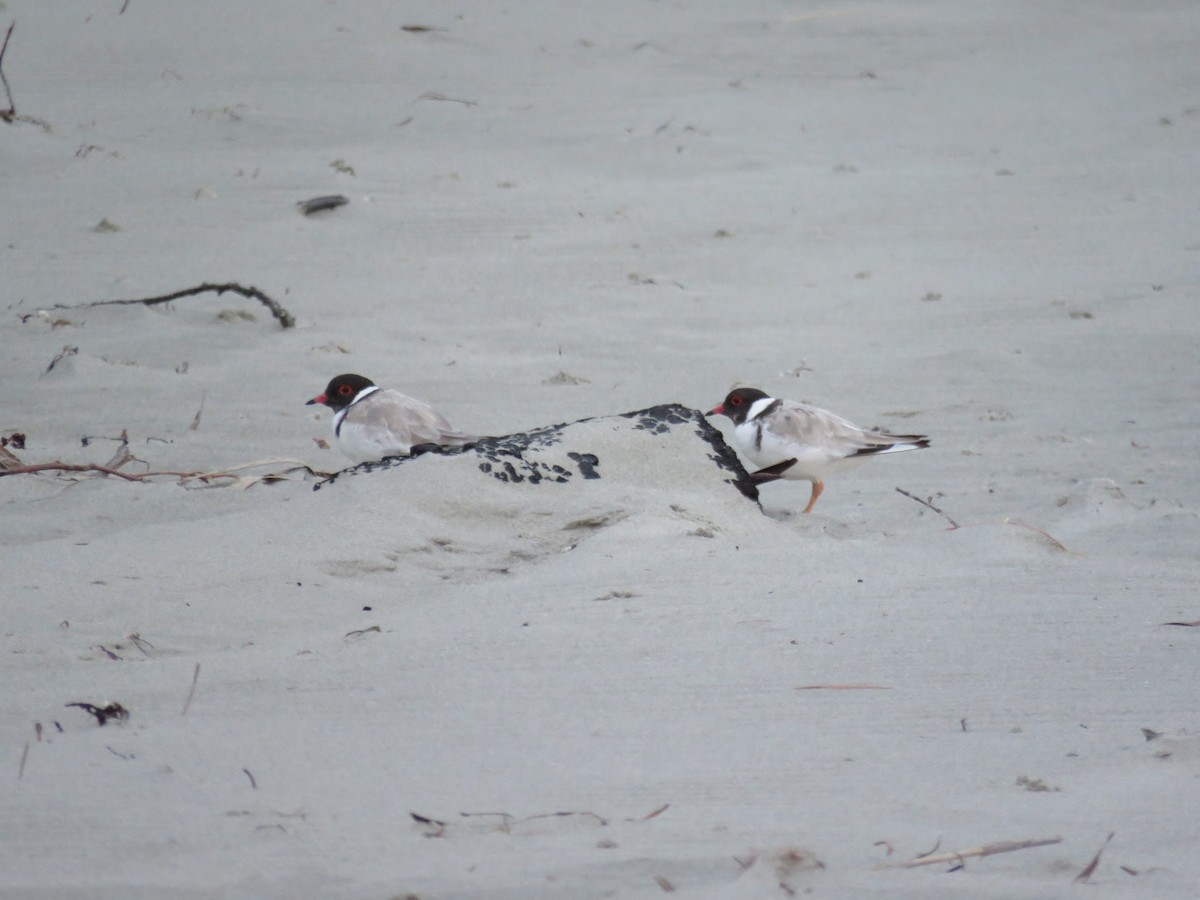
{"x":252,"y":293}
{"x":114,"y":711}
{"x":320,"y":204}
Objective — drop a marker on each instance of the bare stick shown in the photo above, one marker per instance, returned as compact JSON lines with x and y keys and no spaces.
{"x":196,"y":420}
{"x":843,"y":687}
{"x":62,"y":354}
{"x":183,"y":477}
{"x":25,"y":756}
{"x":192,"y":693}
{"x":985,"y":850}
{"x":106,"y":470}
{"x":253,"y":783}
{"x":64,"y":467}
{"x":1090,"y":868}
{"x":140,"y":642}
{"x":434,"y":95}
{"x":930,"y":505}
{"x":7,"y":114}
{"x":251,"y":293}
{"x":936,"y":846}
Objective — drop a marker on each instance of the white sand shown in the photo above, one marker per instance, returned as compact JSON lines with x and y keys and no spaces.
{"x":971,"y":220}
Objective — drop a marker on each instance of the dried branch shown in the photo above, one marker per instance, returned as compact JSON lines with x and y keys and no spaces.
{"x":65,"y":467}
{"x":1090,"y":868}
{"x":192,"y":692}
{"x":108,"y":470}
{"x":122,"y":457}
{"x":931,"y":506}
{"x":434,"y":95}
{"x":11,"y":113}
{"x":251,"y":293}
{"x":985,"y":850}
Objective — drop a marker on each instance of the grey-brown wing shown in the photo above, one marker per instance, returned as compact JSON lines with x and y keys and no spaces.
{"x":828,"y":432}
{"x":407,"y":420}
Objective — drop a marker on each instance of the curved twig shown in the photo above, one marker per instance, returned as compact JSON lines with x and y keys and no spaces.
{"x":941,"y":513}
{"x":251,"y":293}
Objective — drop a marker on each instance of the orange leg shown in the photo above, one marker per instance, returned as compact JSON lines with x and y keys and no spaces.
{"x":818,"y":487}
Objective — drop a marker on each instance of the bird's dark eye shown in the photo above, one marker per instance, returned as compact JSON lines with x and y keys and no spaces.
{"x":735,"y":401}
{"x":345,"y":390}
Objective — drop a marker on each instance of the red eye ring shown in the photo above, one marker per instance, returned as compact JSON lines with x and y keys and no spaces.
{"x":345,"y":390}
{"x":735,"y":401}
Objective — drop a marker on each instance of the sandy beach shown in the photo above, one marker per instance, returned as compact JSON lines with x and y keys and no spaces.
{"x":970,"y":672}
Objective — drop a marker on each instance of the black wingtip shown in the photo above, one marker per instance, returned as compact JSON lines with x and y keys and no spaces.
{"x":772,"y":473}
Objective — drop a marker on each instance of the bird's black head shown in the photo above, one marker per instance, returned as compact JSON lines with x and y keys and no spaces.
{"x":737,"y":404}
{"x":341,"y":392}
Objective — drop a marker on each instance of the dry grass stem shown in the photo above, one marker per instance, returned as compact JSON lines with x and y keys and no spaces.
{"x":192,"y":691}
{"x":843,"y":687}
{"x":1090,"y":868}
{"x":980,"y":852}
